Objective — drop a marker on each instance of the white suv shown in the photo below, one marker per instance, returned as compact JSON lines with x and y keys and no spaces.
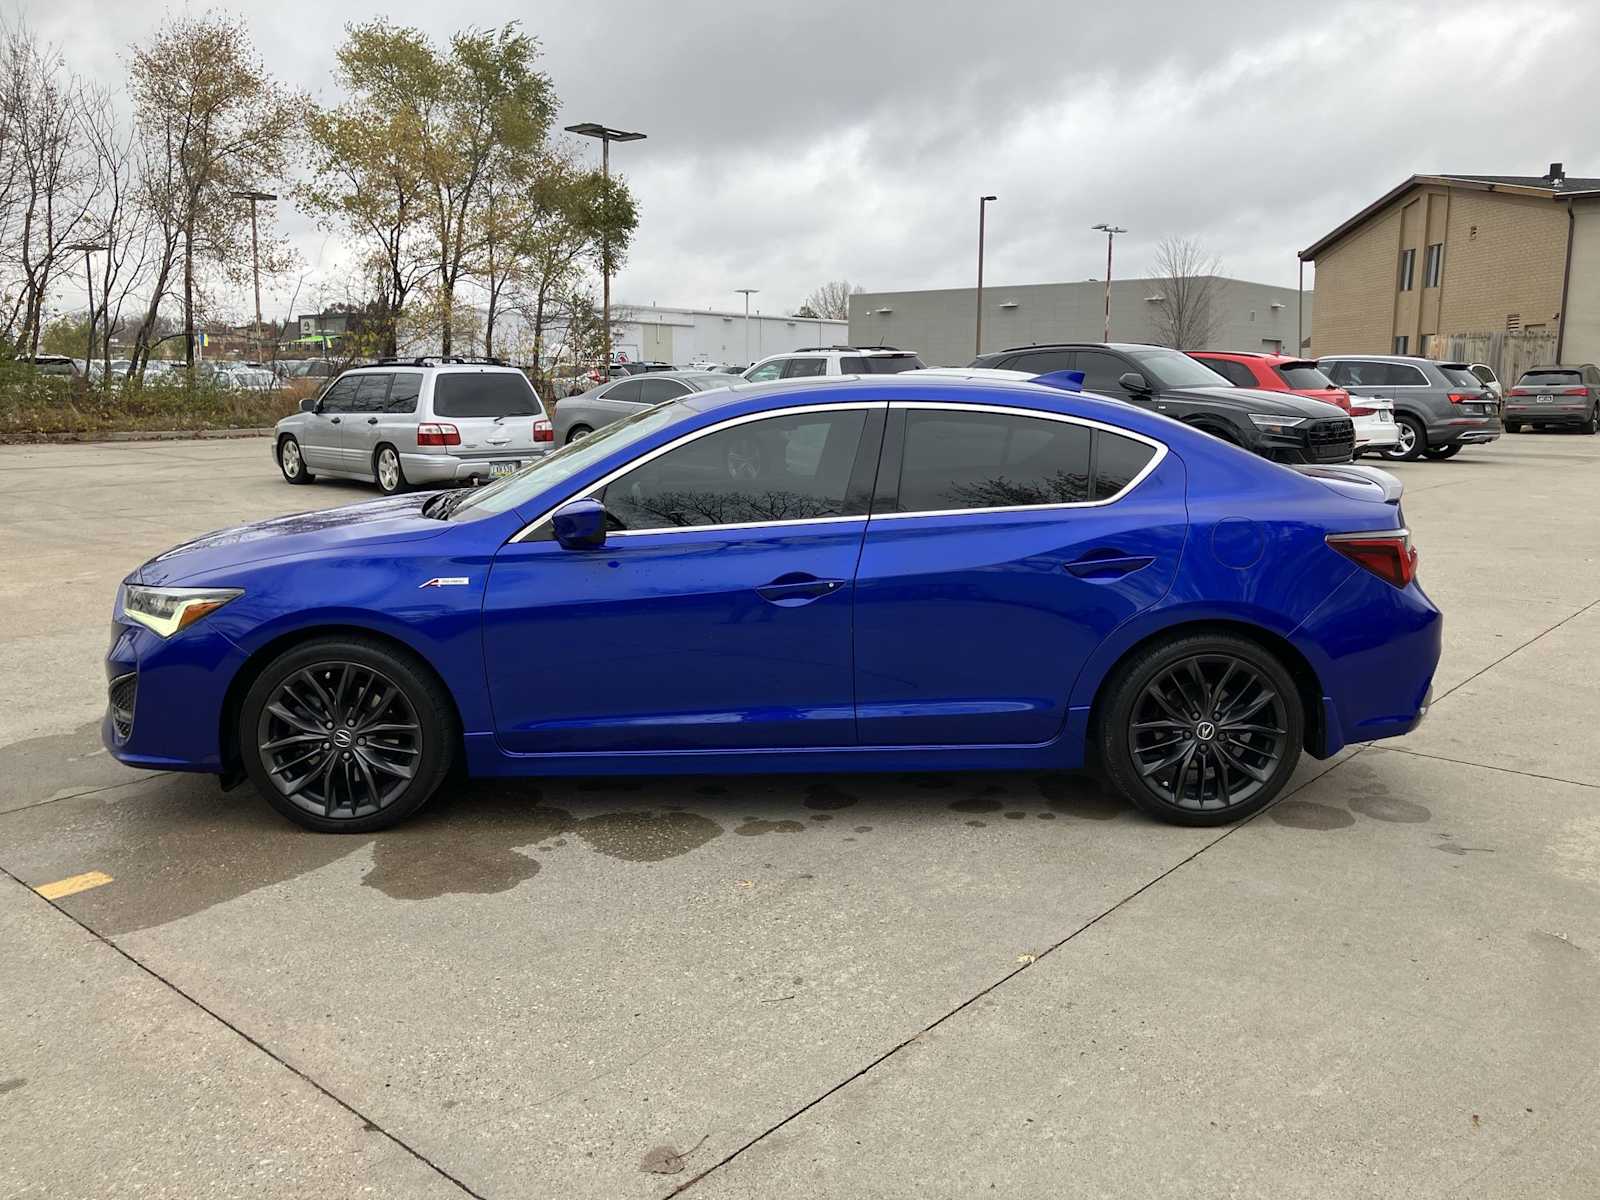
{"x":833,"y":360}
{"x":416,"y":421}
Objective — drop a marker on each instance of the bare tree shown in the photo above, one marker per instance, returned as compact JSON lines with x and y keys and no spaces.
{"x":1186,"y":317}
{"x":830,"y":302}
{"x":119,"y":217}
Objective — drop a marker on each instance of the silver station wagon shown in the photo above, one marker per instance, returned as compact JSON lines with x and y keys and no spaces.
{"x":416,"y":422}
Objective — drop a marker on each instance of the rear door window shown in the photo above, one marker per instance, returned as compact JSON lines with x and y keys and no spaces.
{"x":1043,"y":362}
{"x":484,"y":394}
{"x":1234,"y":372}
{"x":371,"y":392}
{"x":629,"y":391}
{"x":655,"y":391}
{"x":800,"y":368}
{"x":961,"y":460}
{"x":403,"y":392}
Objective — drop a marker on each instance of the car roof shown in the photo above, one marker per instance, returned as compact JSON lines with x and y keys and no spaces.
{"x":1556,"y":367}
{"x":1078,"y":346}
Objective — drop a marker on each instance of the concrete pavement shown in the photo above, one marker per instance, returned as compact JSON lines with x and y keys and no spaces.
{"x":853,"y":986}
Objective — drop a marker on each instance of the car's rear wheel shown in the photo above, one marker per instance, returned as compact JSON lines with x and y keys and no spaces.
{"x":1201,"y":730}
{"x":1592,"y":425}
{"x":345,"y":735}
{"x":1513,"y":426}
{"x":577,"y":432}
{"x":1413,"y":440}
{"x":386,"y":469}
{"x":1439,"y":452}
{"x":293,"y":463}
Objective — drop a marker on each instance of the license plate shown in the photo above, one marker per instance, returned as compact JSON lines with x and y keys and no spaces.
{"x":1544,"y":399}
{"x":497,"y":469}
{"x":1385,"y":418}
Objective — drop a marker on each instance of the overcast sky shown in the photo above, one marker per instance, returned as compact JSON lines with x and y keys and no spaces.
{"x":792,"y":143}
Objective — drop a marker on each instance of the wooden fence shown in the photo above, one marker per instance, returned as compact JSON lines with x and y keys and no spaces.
{"x":1509,"y":353}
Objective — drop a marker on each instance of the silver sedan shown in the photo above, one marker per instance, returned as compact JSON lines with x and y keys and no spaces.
{"x":580,"y":415}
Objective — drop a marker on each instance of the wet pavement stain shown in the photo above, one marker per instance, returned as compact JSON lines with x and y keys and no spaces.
{"x":1015,"y":815}
{"x":646,"y":836}
{"x":863,"y":829}
{"x":1382,"y":807}
{"x":755,"y":827}
{"x":1046,"y":816}
{"x":822,"y":816}
{"x":464,"y":846}
{"x":977,"y":824}
{"x":977,"y":804}
{"x":11,"y":1085}
{"x":827,"y":796}
{"x":44,"y":768}
{"x":1079,"y":796}
{"x":1303,"y":814}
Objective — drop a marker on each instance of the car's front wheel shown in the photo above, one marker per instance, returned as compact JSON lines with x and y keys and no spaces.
{"x":1413,"y":440}
{"x":346,"y":735}
{"x":292,"y":462}
{"x":1201,"y":729}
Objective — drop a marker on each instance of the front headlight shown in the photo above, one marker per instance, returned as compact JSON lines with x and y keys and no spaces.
{"x":1268,"y":421}
{"x":167,"y":610}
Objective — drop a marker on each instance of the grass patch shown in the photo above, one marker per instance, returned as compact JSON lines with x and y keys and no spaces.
{"x":36,"y":408}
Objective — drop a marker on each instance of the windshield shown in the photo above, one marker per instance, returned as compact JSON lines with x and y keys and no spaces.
{"x":572,"y":459}
{"x":1172,"y":368}
{"x":1304,"y":377}
{"x":484,"y":394}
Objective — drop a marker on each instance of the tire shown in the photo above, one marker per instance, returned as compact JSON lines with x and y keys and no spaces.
{"x":1592,"y":425}
{"x":332,"y":682}
{"x":1413,"y":440}
{"x":576,"y":432}
{"x":1513,"y":426}
{"x":387,"y":470}
{"x":292,"y":462}
{"x":1231,"y":774}
{"x":1443,"y":452}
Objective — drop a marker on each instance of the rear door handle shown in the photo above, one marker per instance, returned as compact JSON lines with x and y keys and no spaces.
{"x":335,"y":420}
{"x":796,"y":589}
{"x":1114,"y":567}
{"x":372,"y":420}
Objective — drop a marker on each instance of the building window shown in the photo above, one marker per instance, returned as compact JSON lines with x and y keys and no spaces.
{"x":1433,"y":265}
{"x":1402,"y":344}
{"x":1408,"y":269}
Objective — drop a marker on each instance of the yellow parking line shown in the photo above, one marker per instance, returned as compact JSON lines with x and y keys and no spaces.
{"x":73,"y":885}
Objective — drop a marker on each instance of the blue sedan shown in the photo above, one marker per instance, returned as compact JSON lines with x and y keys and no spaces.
{"x":815,"y":575}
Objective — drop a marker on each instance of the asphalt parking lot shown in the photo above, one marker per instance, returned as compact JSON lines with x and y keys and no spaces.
{"x":908,"y":986}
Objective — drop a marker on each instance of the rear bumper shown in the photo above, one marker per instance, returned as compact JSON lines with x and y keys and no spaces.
{"x":446,"y":468}
{"x":1373,"y":433}
{"x":1464,"y":431}
{"x":1548,"y":414}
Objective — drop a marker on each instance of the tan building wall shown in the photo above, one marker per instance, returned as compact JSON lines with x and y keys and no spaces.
{"x":1581,"y":338}
{"x":1503,"y":255}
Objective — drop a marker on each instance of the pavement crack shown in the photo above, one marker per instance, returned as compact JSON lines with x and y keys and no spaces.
{"x":1003,"y":980}
{"x":104,"y":787}
{"x":1516,"y":649}
{"x":368,"y":1123}
{"x":1467,"y":762}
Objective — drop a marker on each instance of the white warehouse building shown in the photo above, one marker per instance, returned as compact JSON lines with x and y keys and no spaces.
{"x":689,"y":336}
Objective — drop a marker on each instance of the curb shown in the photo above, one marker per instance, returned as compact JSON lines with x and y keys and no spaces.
{"x":133,"y":435}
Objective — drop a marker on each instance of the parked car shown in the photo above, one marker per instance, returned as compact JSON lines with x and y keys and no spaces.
{"x":1373,"y":419}
{"x":833,"y":360}
{"x":1276,"y":425}
{"x":716,"y":584}
{"x":416,"y":421}
{"x":1555,"y":397}
{"x":1488,"y":378}
{"x":1439,"y":407}
{"x":579,"y":416}
{"x":57,"y":366}
{"x":313,"y":369}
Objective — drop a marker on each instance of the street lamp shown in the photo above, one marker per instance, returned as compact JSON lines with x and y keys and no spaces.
{"x":1110,"y":231}
{"x":607,"y":135}
{"x":747,"y":292}
{"x":255,"y":256}
{"x":88,"y":248}
{"x":982,"y":200}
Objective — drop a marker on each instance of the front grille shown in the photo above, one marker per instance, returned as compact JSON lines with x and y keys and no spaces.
{"x":1331,"y":440}
{"x":124,"y":692}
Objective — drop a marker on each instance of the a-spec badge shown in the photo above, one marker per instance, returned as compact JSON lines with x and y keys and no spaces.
{"x":447,"y":581}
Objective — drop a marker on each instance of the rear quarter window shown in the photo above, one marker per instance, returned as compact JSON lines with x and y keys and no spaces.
{"x":1117,"y":463}
{"x":484,"y":394}
{"x":1461,"y":377}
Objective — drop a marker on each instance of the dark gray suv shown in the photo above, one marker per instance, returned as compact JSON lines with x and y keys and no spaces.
{"x":1439,"y":407}
{"x":1551,"y":397}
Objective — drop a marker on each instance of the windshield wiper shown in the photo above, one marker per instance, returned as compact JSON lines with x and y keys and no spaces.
{"x":441,"y":506}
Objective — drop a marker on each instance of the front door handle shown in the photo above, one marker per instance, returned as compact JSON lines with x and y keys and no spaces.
{"x":335,"y":420}
{"x":372,"y":420}
{"x":790,"y":591}
{"x":1107,"y":567}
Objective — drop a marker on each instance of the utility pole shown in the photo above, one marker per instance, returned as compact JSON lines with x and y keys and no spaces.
{"x":606,"y":135}
{"x":255,"y":257}
{"x":1111,"y":232}
{"x":748,"y":292}
{"x":89,"y":248}
{"x":978,"y":338}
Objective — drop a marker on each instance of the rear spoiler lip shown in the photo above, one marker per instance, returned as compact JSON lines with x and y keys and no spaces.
{"x":1391,"y":487}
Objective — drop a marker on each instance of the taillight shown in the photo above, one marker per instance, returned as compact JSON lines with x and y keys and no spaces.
{"x":543,"y":431}
{"x":1464,"y":397}
{"x":1357,"y":411}
{"x":1389,"y":555}
{"x":1520,"y":392}
{"x":431,"y":433}
{"x":1574,"y":391}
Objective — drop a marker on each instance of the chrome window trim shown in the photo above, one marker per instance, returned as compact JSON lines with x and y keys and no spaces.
{"x":1160,"y":449}
{"x":532,"y":527}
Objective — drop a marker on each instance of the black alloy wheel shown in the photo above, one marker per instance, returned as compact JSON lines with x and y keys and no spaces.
{"x":1202,"y":730}
{"x":346,"y":735}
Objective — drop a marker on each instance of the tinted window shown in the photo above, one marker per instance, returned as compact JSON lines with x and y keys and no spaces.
{"x":1461,"y":377}
{"x":1116,"y":461}
{"x":340,"y":398}
{"x":1042,"y":362}
{"x":630,"y":391}
{"x":1234,"y":372}
{"x":371,"y":392}
{"x":801,"y":367}
{"x":1354,"y":373}
{"x":767,"y":371}
{"x":1305,"y":376}
{"x":1550,"y":379}
{"x":403,"y":392}
{"x":1408,"y":269}
{"x":879,"y":364}
{"x":779,"y":469}
{"x":1172,"y":368}
{"x":654,"y":391}
{"x":1102,"y":371}
{"x":484,"y":394}
{"x":955,"y":460}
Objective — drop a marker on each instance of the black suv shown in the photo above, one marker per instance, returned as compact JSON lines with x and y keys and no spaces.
{"x":1275,"y":425}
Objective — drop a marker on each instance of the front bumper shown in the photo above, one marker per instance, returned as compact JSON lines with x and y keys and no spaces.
{"x":165,"y":697}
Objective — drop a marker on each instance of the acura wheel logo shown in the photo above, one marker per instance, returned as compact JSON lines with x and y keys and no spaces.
{"x":1205,"y":731}
{"x":342,"y":739}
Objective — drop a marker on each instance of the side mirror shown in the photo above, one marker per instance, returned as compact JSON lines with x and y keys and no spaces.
{"x":1134,"y":381}
{"x":580,"y":525}
{"x":309,"y":404}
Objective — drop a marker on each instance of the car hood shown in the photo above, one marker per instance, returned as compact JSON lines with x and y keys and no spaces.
{"x":1257,"y":400}
{"x":395,"y":518}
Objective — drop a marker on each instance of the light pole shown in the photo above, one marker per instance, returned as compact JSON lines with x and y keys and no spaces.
{"x":255,"y":257}
{"x":1111,"y":232}
{"x":747,"y":292}
{"x":88,"y":248}
{"x":978,"y":348}
{"x":607,"y":135}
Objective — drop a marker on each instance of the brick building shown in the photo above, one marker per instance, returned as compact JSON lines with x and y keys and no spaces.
{"x":1453,"y":256}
